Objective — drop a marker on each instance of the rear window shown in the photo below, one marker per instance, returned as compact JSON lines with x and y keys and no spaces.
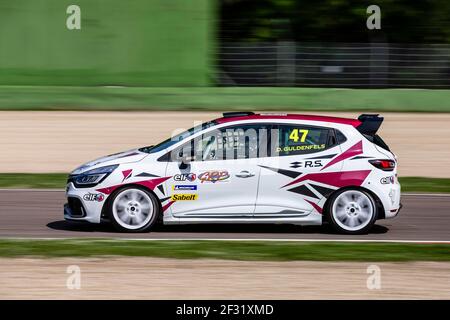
{"x":376,"y":139}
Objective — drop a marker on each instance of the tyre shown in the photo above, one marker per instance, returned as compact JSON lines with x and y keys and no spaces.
{"x":133,"y":209}
{"x":352,"y":211}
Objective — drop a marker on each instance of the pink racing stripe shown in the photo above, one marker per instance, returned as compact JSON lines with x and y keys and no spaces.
{"x":337,"y":179}
{"x":151,"y":184}
{"x":315,"y":206}
{"x":167,"y":205}
{"x":350,"y":152}
{"x":126,"y":174}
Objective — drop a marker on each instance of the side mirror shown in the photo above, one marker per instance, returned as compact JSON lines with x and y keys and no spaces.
{"x":185,"y":161}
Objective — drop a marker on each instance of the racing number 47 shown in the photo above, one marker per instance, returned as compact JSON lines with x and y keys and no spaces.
{"x":294,"y":136}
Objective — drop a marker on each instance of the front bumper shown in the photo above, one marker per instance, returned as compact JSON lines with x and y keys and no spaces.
{"x":83,"y":205}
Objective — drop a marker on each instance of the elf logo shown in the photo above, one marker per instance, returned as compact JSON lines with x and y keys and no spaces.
{"x":185,"y":177}
{"x":93,"y":197}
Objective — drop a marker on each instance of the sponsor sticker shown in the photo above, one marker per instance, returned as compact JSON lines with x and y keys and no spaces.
{"x":93,"y":197}
{"x":214,"y":176}
{"x":185,"y":177}
{"x":307,"y":164}
{"x":184,"y":197}
{"x":387,"y":180}
{"x":301,"y":148}
{"x":184,"y":187}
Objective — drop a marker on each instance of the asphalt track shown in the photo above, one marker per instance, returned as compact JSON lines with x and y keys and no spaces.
{"x":39,"y":214}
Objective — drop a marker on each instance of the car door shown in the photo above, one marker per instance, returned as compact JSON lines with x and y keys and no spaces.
{"x":215,"y":175}
{"x":292,"y":182}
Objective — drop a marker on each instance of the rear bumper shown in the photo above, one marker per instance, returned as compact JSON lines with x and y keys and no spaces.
{"x":394,"y":212}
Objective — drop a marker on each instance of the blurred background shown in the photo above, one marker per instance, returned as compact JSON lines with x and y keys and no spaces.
{"x":80,"y":79}
{"x":179,"y":56}
{"x":201,"y":43}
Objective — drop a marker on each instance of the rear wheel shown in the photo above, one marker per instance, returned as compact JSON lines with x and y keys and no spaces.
{"x":133,"y":209}
{"x":352,"y":211}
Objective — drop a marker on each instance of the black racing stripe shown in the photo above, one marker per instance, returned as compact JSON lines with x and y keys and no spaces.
{"x":322,"y":190}
{"x":164,"y":199}
{"x":360,"y":157}
{"x":289,"y":173}
{"x":161,"y":188}
{"x":328,"y":156}
{"x":304,"y":190}
{"x":145,"y":174}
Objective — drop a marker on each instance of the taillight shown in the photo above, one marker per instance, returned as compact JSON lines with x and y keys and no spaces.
{"x":385,"y":165}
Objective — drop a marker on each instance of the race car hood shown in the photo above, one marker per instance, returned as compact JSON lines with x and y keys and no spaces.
{"x":129,"y":156}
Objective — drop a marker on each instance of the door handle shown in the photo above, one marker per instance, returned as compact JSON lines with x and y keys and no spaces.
{"x":244,"y":174}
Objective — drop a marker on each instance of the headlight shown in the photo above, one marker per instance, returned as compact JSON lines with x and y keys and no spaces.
{"x":92,"y":177}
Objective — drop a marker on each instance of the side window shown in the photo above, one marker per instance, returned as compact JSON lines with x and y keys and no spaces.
{"x":340,"y":137}
{"x":234,"y":142}
{"x":298,"y":139}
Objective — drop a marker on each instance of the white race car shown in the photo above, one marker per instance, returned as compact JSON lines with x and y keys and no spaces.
{"x":246,"y":168}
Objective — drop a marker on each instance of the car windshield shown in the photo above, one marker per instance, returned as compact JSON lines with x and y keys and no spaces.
{"x":179,"y":137}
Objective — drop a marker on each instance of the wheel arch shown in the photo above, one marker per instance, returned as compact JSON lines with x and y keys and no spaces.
{"x":104,"y":212}
{"x":378,"y":203}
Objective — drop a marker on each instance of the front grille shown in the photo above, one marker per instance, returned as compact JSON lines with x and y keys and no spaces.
{"x":71,"y":178}
{"x":76,"y":207}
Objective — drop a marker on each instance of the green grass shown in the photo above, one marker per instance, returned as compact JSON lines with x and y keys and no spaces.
{"x":58,"y":181}
{"x":419,"y":184}
{"x":33,"y":180}
{"x":232,"y":250}
{"x":121,"y":43}
{"x":222,"y":99}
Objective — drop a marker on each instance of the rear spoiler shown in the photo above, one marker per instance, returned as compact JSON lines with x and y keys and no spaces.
{"x":370,"y":123}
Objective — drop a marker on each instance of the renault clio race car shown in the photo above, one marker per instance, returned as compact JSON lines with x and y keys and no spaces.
{"x":246,"y":168}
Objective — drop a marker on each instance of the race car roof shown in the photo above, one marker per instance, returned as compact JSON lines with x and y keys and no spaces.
{"x":238,"y":116}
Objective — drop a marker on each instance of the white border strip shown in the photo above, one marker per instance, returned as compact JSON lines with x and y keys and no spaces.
{"x":33,"y":190}
{"x":407,"y":194}
{"x":426,"y":194}
{"x":238,"y":239}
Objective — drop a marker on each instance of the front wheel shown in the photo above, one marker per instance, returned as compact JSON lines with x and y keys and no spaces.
{"x":133,"y":209}
{"x":352,"y":211}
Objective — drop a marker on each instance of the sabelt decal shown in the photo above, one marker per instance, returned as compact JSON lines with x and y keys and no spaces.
{"x":184,"y":197}
{"x":93,"y":197}
{"x":214,"y":176}
{"x":184,"y":187}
